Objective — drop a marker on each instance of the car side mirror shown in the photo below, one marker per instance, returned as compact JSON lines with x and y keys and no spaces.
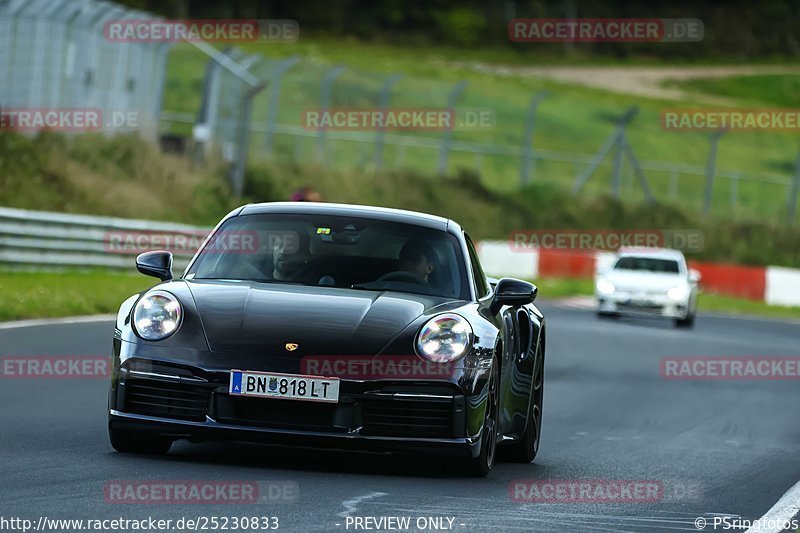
{"x":513,"y":292}
{"x":694,"y":275}
{"x":157,"y":264}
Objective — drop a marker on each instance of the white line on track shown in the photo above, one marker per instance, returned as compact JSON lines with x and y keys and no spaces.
{"x":351,"y":506}
{"x":50,"y":321}
{"x":781,"y":513}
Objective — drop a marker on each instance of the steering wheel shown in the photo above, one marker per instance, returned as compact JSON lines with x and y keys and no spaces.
{"x":402,"y":275}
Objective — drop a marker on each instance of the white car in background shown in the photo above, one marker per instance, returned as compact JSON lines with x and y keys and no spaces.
{"x":648,"y":282}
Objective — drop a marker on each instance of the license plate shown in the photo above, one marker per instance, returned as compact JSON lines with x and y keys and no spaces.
{"x":285,"y":386}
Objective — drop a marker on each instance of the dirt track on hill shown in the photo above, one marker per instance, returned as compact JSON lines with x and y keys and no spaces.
{"x":639,"y":81}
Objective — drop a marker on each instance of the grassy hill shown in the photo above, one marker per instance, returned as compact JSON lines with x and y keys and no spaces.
{"x":572,"y":123}
{"x":124,"y":176}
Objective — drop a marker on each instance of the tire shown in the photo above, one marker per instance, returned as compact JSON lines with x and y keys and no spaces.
{"x":687,"y":322}
{"x":525,"y":449}
{"x":129,"y":442}
{"x":607,"y":314}
{"x":481,"y":466}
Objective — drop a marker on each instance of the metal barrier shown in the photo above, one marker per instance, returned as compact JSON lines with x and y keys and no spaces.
{"x":57,"y":240}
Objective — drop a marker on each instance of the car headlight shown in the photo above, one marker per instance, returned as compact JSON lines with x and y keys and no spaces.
{"x":157,"y":315}
{"x":444,"y":338}
{"x":677,"y":293}
{"x":605,"y":287}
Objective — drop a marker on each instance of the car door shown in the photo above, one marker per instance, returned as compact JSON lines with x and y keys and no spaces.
{"x":506,"y":321}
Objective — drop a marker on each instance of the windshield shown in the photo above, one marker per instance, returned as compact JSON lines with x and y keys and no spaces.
{"x":335,"y":251}
{"x":648,"y":264}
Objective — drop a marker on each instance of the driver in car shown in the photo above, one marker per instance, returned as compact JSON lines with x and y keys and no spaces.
{"x":289,"y":256}
{"x":417,"y":257}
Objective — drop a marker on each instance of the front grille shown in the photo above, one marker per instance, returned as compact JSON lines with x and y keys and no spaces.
{"x":279,"y":413}
{"x":654,"y":309}
{"x":166,"y":399}
{"x":408,"y":418}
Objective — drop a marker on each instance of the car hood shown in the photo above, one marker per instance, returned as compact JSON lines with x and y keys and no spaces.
{"x":633,"y":280}
{"x":241,"y":316}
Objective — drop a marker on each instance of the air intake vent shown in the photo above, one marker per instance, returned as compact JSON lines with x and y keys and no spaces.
{"x":394,"y":418}
{"x":166,"y":399}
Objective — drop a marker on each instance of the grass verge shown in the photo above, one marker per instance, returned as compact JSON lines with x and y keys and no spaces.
{"x":58,"y":294}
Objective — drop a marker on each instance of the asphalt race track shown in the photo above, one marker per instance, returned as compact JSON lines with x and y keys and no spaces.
{"x":718,"y":447}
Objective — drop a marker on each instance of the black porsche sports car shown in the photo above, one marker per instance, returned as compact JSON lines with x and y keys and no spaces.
{"x":330,"y":325}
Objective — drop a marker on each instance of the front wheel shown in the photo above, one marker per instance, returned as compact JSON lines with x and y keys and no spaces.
{"x":129,"y":442}
{"x":687,"y":322}
{"x":481,"y":466}
{"x":526,"y":448}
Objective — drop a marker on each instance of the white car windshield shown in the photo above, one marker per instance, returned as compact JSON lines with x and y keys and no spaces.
{"x":648,"y":264}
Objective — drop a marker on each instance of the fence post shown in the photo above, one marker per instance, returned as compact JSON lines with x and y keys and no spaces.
{"x":637,"y":170}
{"x":735,"y":193}
{"x":673,"y":184}
{"x":526,"y":172}
{"x":243,"y":140}
{"x":710,"y":169}
{"x":616,"y":168}
{"x":447,"y":138}
{"x":325,"y":102}
{"x":615,"y":140}
{"x":203,"y":131}
{"x":383,"y":104}
{"x":274,"y":99}
{"x":794,"y":188}
{"x":242,"y":132}
{"x":161,"y":53}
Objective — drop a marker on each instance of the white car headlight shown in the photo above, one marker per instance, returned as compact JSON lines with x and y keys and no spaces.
{"x":605,"y":287}
{"x":157,"y":315}
{"x":444,"y":338}
{"x":678,"y":293}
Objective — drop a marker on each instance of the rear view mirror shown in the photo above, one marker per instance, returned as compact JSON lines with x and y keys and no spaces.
{"x":513,"y":292}
{"x":157,"y":264}
{"x":694,"y":275}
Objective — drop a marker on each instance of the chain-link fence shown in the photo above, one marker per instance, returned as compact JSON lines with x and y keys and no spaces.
{"x":54,"y":55}
{"x":244,"y":107}
{"x":275,"y":93}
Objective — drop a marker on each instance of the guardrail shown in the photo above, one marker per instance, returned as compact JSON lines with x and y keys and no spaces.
{"x":44,"y":240}
{"x":58,"y":240}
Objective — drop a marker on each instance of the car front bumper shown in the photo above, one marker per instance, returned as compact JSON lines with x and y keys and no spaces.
{"x":211,"y":430}
{"x":181,"y":395}
{"x":658,"y":305}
